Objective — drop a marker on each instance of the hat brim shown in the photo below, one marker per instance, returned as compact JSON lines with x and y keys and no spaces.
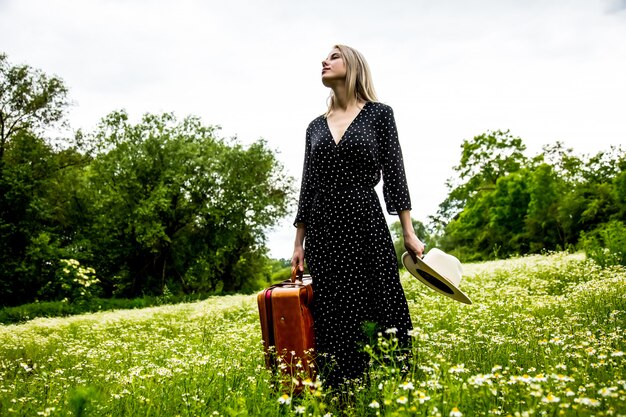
{"x":433,"y":279}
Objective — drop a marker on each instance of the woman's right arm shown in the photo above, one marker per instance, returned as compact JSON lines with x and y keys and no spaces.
{"x":297,"y":260}
{"x":304,"y":203}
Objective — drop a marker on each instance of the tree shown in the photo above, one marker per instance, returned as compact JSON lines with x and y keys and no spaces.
{"x":175,"y":205}
{"x":37,"y":221}
{"x":564,"y":163}
{"x":476,"y":210}
{"x":509,"y":204}
{"x":484,"y":159}
{"x":619,"y":186}
{"x":29,"y":100}
{"x":467,"y":236}
{"x":544,"y":229}
{"x":593,"y":198}
{"x":157,"y":203}
{"x":34,"y":223}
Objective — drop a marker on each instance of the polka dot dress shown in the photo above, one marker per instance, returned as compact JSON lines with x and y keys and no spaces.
{"x":348,"y":248}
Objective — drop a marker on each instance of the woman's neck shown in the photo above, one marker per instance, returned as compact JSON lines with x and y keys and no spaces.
{"x":341,"y":99}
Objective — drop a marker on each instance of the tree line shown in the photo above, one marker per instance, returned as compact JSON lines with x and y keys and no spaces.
{"x":128,"y":209}
{"x":166,"y":205}
{"x":503,"y":203}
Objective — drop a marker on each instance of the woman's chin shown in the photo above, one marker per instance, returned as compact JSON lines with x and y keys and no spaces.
{"x":330,"y":81}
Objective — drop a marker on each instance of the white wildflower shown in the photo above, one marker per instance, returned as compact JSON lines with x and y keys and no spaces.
{"x":455,"y":412}
{"x":407,"y":386}
{"x":550,"y":399}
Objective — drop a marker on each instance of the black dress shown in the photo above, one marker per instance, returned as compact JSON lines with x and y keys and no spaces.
{"x":348,"y":247}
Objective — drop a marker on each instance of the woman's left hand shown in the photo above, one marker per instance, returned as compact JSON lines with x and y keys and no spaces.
{"x":414,"y":246}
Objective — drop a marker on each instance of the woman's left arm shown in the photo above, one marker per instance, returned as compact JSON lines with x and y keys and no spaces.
{"x":412,"y":244}
{"x":395,"y":187}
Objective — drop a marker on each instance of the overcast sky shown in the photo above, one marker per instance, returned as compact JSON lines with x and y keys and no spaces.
{"x":547,"y":70}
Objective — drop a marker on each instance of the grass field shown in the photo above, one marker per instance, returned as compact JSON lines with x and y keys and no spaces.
{"x":545,"y":336}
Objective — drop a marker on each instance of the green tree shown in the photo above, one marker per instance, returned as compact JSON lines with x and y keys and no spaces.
{"x":175,"y":205}
{"x":566,"y":165}
{"x":509,"y":204}
{"x":29,"y":100}
{"x":546,"y":202}
{"x":492,"y":224}
{"x":468,"y":216}
{"x":544,"y":229}
{"x":36,"y":223}
{"x":35,"y":183}
{"x":158,"y":203}
{"x":467,"y":236}
{"x":619,"y":187}
{"x":484,"y":159}
{"x":592,"y":199}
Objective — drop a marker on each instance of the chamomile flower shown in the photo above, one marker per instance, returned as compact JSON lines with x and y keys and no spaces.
{"x":458,"y":369}
{"x":455,"y":412}
{"x":589,"y":402}
{"x":550,"y":398}
{"x":407,"y":386}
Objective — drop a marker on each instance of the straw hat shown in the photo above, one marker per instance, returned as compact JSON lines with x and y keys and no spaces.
{"x":438,"y":270}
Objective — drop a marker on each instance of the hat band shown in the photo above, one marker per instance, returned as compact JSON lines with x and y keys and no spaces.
{"x":435,"y":282}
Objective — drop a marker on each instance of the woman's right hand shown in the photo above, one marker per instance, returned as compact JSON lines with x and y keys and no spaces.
{"x":297,"y":260}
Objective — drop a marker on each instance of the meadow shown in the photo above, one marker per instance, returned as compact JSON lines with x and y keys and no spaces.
{"x":544,"y":337}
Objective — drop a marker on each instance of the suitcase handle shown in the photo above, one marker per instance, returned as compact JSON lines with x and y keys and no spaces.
{"x":296,"y":274}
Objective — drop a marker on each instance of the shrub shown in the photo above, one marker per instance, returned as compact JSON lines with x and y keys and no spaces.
{"x":281,"y":275}
{"x":606,"y":245}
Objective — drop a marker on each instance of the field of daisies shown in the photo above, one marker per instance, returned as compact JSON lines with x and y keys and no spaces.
{"x":546,"y":336}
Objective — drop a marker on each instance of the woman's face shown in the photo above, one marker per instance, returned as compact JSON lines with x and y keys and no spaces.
{"x":333,"y":68}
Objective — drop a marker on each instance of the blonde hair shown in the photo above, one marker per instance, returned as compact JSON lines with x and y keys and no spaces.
{"x":358,"y":77}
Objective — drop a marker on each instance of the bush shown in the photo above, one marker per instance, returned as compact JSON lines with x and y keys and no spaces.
{"x":281,"y":275}
{"x":606,"y":245}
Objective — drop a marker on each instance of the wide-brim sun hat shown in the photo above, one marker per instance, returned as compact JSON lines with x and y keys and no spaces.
{"x":440,"y":271}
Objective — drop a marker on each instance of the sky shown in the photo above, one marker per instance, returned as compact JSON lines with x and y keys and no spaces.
{"x":546,"y":70}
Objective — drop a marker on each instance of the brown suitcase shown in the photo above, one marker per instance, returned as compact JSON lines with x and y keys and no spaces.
{"x":287,"y":326}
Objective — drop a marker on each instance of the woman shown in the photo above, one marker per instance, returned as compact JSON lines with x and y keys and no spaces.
{"x":341,"y":229}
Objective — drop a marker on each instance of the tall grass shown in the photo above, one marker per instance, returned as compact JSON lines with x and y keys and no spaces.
{"x":545,"y":336}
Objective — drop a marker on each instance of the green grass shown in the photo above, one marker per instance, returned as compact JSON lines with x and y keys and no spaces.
{"x":545,"y":336}
{"x":26,"y":312}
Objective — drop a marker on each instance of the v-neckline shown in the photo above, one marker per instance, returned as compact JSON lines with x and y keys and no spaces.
{"x":335,"y":142}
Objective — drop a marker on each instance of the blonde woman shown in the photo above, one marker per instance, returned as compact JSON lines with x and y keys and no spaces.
{"x":341,"y":228}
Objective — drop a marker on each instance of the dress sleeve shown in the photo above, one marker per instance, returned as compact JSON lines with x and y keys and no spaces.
{"x":395,"y":188}
{"x":306,"y":191}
